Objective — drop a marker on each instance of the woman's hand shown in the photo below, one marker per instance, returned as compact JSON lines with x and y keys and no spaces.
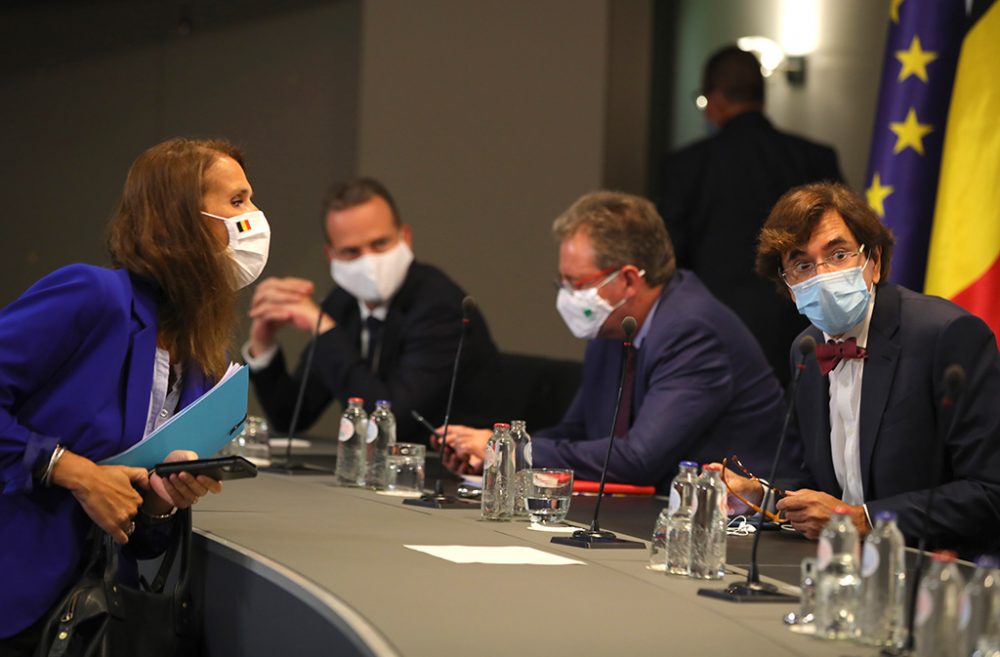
{"x":178,"y":490}
{"x":106,"y":492}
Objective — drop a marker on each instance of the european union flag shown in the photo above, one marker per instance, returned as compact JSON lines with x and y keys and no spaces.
{"x":921,"y":53}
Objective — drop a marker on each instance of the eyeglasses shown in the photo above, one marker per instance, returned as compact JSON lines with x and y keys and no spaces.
{"x":599,"y":279}
{"x":752,"y":477}
{"x":803,"y":271}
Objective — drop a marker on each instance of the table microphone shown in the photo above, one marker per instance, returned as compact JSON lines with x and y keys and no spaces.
{"x":438,"y":499}
{"x":954,"y":386}
{"x":595,"y":537}
{"x":753,"y":590}
{"x":289,"y":466}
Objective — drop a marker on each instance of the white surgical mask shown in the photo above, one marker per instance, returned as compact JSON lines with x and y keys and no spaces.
{"x":585,"y":311}
{"x":249,"y":243}
{"x":376,"y":277}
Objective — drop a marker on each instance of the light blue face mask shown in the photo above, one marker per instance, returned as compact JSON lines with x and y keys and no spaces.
{"x":834,"y":302}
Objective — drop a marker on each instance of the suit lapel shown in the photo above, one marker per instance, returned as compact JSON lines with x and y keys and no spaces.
{"x":141,"y":354}
{"x":880,"y":368}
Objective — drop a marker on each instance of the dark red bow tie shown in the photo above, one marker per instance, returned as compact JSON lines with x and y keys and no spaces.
{"x":831,"y":353}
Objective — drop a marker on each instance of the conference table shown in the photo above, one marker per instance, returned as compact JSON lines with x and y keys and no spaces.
{"x":295,"y":565}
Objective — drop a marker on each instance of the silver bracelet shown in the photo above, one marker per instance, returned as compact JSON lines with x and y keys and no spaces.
{"x":56,"y":455}
{"x":155,"y":519}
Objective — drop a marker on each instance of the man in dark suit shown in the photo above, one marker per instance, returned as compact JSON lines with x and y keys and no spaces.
{"x":715,"y":194}
{"x":388,"y":331}
{"x":874,"y":428}
{"x":699,"y":387}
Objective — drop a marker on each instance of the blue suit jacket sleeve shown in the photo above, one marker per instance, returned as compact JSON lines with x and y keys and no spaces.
{"x":689,"y":383}
{"x":38,"y":333}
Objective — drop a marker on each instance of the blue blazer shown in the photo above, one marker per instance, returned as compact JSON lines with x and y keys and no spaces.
{"x":76,"y":368}
{"x":912,"y":338}
{"x":703,"y":391}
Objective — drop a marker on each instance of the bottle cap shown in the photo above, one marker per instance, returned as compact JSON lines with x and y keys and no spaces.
{"x":944,"y":556}
{"x":887,"y":516}
{"x":842,"y":510}
{"x":501,"y":425}
{"x":716,"y":467}
{"x":384,"y":402}
{"x":355,"y":400}
{"x":689,"y":464}
{"x":987,"y":561}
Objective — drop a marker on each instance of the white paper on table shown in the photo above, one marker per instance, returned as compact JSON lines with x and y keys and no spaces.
{"x":557,"y":529}
{"x":502,"y":554}
{"x":282,"y":443}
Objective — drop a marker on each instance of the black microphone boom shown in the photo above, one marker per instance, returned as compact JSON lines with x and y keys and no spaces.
{"x":954,"y":386}
{"x":289,"y":466}
{"x":438,"y":499}
{"x":595,"y":537}
{"x":753,"y":590}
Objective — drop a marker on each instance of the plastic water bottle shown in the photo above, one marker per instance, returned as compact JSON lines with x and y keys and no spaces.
{"x":708,"y":525}
{"x":498,"y":475}
{"x":380,"y":434}
{"x":658,"y":543}
{"x":838,"y":582}
{"x":522,"y":462}
{"x":681,"y":510}
{"x":935,"y":627}
{"x":977,"y":608}
{"x":882,"y":621}
{"x":351,"y":444}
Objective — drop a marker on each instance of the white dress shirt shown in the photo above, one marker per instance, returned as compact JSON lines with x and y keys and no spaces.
{"x":845,"y":413}
{"x":163,"y":401}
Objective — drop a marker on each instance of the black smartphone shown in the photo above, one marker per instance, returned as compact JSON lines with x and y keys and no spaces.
{"x":220,"y":469}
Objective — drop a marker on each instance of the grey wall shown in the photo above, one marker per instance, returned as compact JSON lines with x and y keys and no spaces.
{"x":486,"y":119}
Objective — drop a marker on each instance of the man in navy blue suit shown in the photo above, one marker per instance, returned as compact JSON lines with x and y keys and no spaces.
{"x":874,"y":428}
{"x":700,"y":389}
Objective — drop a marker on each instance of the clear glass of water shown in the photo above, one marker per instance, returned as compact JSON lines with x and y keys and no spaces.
{"x":807,"y":601}
{"x":252,"y":443}
{"x":547,"y":494}
{"x":404,"y":466}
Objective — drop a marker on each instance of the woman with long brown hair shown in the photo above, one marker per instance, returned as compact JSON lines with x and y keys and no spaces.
{"x":94,"y":359}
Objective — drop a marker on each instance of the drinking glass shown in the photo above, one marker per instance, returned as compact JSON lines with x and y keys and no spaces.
{"x":547,"y":494}
{"x":404,"y":466}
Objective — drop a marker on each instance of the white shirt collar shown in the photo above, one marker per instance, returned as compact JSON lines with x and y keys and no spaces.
{"x":646,"y":324}
{"x":379,"y":312}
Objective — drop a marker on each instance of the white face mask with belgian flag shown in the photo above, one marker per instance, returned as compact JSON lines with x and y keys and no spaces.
{"x":249,"y":243}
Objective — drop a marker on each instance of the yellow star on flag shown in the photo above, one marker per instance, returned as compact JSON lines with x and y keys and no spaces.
{"x":894,"y":10}
{"x":910,"y":133}
{"x":877,"y":194}
{"x":915,"y":60}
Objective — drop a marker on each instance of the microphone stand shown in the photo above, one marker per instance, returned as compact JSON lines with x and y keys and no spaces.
{"x":595,"y":537}
{"x":754,"y":590}
{"x":954,"y":384}
{"x":289,"y":466}
{"x":439,"y":499}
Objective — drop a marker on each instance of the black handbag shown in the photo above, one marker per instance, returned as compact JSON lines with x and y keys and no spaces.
{"x":101,"y":617}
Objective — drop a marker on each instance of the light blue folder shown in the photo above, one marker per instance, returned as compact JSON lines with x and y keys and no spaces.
{"x":205,"y":425}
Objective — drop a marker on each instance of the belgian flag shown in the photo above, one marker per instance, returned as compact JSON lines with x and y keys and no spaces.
{"x":964,"y":260}
{"x":934,"y":170}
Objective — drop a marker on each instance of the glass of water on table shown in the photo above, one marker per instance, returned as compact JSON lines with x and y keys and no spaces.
{"x":404,"y":466}
{"x":547,"y":494}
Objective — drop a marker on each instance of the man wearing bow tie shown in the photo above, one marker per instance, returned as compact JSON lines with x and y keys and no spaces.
{"x":873,"y":425}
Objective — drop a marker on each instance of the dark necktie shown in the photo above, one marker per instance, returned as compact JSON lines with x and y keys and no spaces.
{"x":831,"y":353}
{"x":625,"y":409}
{"x":374,"y":326}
